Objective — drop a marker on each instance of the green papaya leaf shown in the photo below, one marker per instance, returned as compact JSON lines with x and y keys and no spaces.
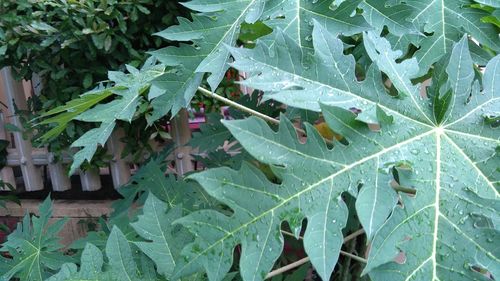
{"x":128,"y":87}
{"x":395,"y":17}
{"x":444,"y":22}
{"x":434,"y":182}
{"x":216,"y":24}
{"x":65,"y":114}
{"x":415,"y":158}
{"x":329,"y":78}
{"x":212,"y":134}
{"x":296,"y":17}
{"x":155,"y":224}
{"x":34,"y":247}
{"x":90,"y":269}
{"x":151,"y":179}
{"x":121,"y":261}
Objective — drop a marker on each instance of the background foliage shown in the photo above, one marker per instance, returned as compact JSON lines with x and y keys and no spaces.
{"x":72,"y":44}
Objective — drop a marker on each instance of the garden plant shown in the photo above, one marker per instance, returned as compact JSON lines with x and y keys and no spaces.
{"x":69,"y":46}
{"x":369,"y":149}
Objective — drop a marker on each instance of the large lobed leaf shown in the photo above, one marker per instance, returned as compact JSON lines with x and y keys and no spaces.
{"x":442,"y":23}
{"x":151,"y":179}
{"x":295,"y":18}
{"x":128,"y":87}
{"x":34,"y":247}
{"x":289,"y":77}
{"x":430,"y":25}
{"x":216,"y":24}
{"x":166,"y":241}
{"x":62,"y":115}
{"x":446,"y":154}
{"x":149,"y":247}
{"x":122,"y":263}
{"x":90,"y":269}
{"x":440,"y":144}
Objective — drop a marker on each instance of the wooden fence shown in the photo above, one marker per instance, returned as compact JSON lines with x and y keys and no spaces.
{"x":32,"y":160}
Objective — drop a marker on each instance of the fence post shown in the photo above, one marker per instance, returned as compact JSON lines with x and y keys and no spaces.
{"x":181,"y":134}
{"x":15,"y":96}
{"x":6,"y":174}
{"x":57,"y":172}
{"x":120,"y":170}
{"x":90,"y":179}
{"x":58,"y":177}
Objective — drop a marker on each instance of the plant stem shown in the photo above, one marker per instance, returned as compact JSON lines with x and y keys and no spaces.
{"x":405,"y":190}
{"x":354,"y":257}
{"x":361,"y":248}
{"x":287,"y":267}
{"x":248,"y":110}
{"x":346,"y":263}
{"x":306,"y":259}
{"x":237,"y":105}
{"x":291,"y":234}
{"x":354,"y":235}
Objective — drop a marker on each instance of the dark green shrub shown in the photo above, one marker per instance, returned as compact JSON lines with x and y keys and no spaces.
{"x":72,"y":44}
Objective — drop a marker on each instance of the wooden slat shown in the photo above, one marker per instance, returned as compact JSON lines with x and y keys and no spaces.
{"x":30,"y":159}
{"x":40,"y":157}
{"x":91,"y":180}
{"x":58,"y":174}
{"x":79,"y":214}
{"x":181,"y":134}
{"x":14,"y":93}
{"x":120,"y":170}
{"x":7,"y":174}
